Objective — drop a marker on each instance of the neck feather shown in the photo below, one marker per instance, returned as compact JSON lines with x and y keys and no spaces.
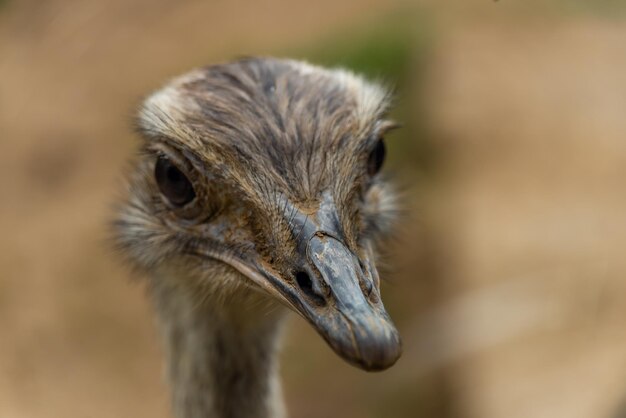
{"x":221,"y":351}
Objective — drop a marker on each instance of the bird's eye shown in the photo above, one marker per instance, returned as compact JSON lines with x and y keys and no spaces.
{"x":174,"y":185}
{"x":376,"y":158}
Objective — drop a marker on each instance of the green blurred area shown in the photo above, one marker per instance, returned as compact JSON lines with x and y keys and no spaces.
{"x":602,"y":8}
{"x":393,"y":50}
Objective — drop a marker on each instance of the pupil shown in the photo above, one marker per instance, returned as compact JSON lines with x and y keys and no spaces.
{"x":172,"y":182}
{"x":376,"y":158}
{"x":174,"y":175}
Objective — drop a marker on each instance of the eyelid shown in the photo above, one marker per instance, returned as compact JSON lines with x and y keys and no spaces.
{"x":187,"y":161}
{"x":386,"y":126}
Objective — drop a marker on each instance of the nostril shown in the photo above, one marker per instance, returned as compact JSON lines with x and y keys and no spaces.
{"x":366,"y":285}
{"x":304,"y":282}
{"x":306,"y":285}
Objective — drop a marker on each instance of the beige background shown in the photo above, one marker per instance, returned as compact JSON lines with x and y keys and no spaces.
{"x":506,"y":278}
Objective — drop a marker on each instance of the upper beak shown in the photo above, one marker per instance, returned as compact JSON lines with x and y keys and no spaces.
{"x":354,"y":321}
{"x":338,"y":294}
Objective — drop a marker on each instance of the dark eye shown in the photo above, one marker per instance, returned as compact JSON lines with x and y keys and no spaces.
{"x":174,"y":185}
{"x":376,"y":158}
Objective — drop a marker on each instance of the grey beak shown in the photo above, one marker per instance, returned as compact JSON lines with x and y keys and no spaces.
{"x":354,"y":321}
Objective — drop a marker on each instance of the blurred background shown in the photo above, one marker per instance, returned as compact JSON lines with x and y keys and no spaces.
{"x":506,"y":276}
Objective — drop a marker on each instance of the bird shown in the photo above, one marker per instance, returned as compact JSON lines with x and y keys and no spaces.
{"x":258,"y":191}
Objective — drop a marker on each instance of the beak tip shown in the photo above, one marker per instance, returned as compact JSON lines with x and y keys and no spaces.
{"x":369,"y":351}
{"x":375,"y":358}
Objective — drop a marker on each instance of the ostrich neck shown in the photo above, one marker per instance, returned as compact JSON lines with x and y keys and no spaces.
{"x":222,"y":363}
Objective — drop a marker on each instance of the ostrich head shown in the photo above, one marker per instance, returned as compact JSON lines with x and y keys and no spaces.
{"x":259,"y":180}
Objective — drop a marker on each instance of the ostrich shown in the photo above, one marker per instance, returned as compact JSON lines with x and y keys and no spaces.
{"x":258,"y":191}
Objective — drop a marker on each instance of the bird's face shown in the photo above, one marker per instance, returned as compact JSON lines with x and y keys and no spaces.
{"x":271,"y":168}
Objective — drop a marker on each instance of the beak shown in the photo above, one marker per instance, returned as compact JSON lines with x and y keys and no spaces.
{"x":338,"y":293}
{"x":354,"y":321}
